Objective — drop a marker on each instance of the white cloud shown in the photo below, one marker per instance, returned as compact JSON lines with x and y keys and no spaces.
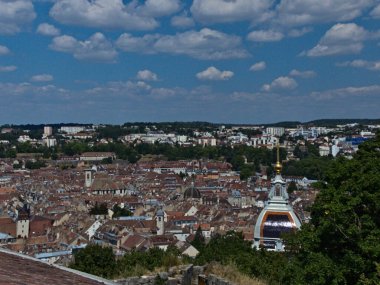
{"x":296,"y":33}
{"x":42,"y":78}
{"x":14,"y":14}
{"x":265,"y":36}
{"x":205,"y":44}
{"x":213,"y":73}
{"x":375,"y":13}
{"x":182,"y":21}
{"x":4,"y":50}
{"x":135,"y":90}
{"x":347,"y":92}
{"x":342,"y":39}
{"x":219,"y":11}
{"x":258,"y":66}
{"x":8,"y":68}
{"x":113,"y":13}
{"x":280,"y":83}
{"x":146,"y":75}
{"x":359,"y":63}
{"x":47,"y":30}
{"x":282,"y":13}
{"x":26,"y":88}
{"x":306,"y":12}
{"x":96,"y":47}
{"x":159,"y":8}
{"x":302,"y":74}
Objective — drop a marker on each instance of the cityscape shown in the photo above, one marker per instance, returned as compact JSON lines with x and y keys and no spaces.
{"x":200,"y":142}
{"x":138,"y":187}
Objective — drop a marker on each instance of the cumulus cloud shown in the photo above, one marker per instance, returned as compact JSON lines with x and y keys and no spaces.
{"x":203,"y":44}
{"x":96,"y":47}
{"x":302,"y":74}
{"x":135,"y":90}
{"x":342,"y":39}
{"x":4,"y":50}
{"x":158,"y":8}
{"x":265,"y":36}
{"x":8,"y":68}
{"x":347,"y":92}
{"x":14,"y":14}
{"x":375,"y":13}
{"x":282,"y":13}
{"x":280,"y":83}
{"x":26,"y":88}
{"x":42,"y":78}
{"x":48,"y":30}
{"x":359,"y":63}
{"x":119,"y":87}
{"x":113,"y":13}
{"x":212,"y":73}
{"x":182,"y":21}
{"x":146,"y":75}
{"x":218,"y":11}
{"x":258,"y":66}
{"x":306,"y":12}
{"x":296,"y":33}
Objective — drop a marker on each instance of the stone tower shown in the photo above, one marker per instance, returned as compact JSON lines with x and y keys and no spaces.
{"x":89,"y":177}
{"x":160,"y":222}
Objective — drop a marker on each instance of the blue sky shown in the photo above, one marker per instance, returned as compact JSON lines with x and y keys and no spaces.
{"x":231,"y":61}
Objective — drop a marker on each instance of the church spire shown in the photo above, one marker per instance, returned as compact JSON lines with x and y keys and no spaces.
{"x":278,"y":166}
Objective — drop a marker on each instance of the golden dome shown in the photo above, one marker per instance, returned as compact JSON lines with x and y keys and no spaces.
{"x":278,"y":167}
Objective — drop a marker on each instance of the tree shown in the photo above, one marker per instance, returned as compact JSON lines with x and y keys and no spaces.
{"x":99,"y":209}
{"x":199,"y":239}
{"x":292,"y":187}
{"x":345,"y":227}
{"x":95,"y":259}
{"x":246,"y":171}
{"x":120,"y":212}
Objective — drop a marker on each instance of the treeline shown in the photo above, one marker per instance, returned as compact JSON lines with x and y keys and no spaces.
{"x":245,"y":159}
{"x":101,"y":261}
{"x":312,"y":167}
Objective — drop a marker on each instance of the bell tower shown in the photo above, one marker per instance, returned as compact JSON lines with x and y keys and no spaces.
{"x":277,"y":217}
{"x":160,"y":223}
{"x":89,"y":177}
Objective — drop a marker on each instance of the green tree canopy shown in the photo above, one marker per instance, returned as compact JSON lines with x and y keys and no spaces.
{"x":95,"y":259}
{"x":341,"y":244}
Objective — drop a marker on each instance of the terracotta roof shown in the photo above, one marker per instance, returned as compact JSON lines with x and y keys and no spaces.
{"x":16,"y":269}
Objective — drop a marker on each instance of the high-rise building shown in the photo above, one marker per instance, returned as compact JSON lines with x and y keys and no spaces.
{"x":48,"y":131}
{"x":277,"y":217}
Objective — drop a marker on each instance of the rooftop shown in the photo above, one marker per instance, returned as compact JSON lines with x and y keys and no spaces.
{"x":17,"y":269}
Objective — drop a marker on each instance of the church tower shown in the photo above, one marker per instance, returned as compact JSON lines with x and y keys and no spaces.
{"x":89,"y":177}
{"x":160,"y":223}
{"x":277,"y":217}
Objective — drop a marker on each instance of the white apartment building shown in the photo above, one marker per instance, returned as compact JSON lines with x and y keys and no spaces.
{"x":275,"y":131}
{"x":72,"y":129}
{"x":50,"y":142}
{"x":324,"y":150}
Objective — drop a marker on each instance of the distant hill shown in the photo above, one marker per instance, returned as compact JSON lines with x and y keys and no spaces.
{"x":207,"y":125}
{"x":334,"y":122}
{"x":324,"y":123}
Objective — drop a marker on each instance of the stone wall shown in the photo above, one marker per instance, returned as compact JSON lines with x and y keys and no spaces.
{"x":186,"y":275}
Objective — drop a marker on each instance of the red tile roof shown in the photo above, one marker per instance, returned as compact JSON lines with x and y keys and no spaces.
{"x":16,"y":269}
